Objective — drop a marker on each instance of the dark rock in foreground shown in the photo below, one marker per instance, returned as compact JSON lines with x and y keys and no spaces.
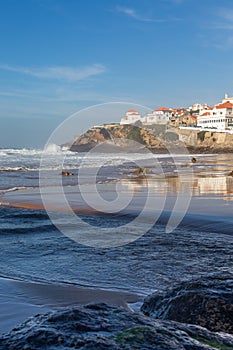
{"x":100,"y":327}
{"x":207,"y":302}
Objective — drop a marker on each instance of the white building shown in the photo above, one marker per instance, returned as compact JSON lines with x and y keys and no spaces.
{"x":159,"y":116}
{"x":227,"y":99}
{"x":201,"y":107}
{"x":220,"y":117}
{"x":131,"y":117}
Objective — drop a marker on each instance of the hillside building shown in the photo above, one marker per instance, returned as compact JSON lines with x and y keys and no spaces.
{"x":161,"y":115}
{"x":219,"y":117}
{"x":157,"y":116}
{"x":131,"y":117}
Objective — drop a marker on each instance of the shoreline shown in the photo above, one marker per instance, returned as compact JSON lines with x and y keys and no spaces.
{"x":209,"y":150}
{"x":20,"y":300}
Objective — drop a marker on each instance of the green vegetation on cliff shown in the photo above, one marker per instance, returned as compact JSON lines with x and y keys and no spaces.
{"x":135,"y":135}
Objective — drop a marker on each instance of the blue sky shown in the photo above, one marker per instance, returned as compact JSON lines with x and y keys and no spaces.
{"x":58,"y":56}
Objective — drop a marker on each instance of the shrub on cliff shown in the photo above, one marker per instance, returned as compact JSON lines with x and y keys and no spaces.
{"x":135,"y":135}
{"x":201,"y":135}
{"x":171,"y":136}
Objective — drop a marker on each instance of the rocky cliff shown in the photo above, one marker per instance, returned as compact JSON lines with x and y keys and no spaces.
{"x":205,"y":141}
{"x":112,"y":134}
{"x":154,"y":139}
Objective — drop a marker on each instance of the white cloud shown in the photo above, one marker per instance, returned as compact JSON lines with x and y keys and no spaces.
{"x":62,"y":95}
{"x":58,"y":72}
{"x":223,"y":44}
{"x":226,"y":14}
{"x":135,"y":15}
{"x":221,"y":26}
{"x":130,"y":12}
{"x":223,"y":19}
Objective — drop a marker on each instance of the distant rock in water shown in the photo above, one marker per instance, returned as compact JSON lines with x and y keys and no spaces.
{"x":66,"y":173}
{"x":139,"y":171}
{"x":206,"y":302}
{"x":101,"y":327}
{"x":194,"y":160}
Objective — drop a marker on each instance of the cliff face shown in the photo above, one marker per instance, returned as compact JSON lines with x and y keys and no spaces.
{"x":195,"y":140}
{"x":111,"y":134}
{"x":211,"y":140}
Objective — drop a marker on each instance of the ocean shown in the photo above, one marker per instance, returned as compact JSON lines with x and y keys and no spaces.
{"x":35,"y":250}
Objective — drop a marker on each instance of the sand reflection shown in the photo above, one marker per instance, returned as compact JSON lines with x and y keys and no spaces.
{"x":200,"y":185}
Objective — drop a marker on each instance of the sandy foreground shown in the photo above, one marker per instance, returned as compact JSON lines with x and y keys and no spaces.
{"x":20,"y":300}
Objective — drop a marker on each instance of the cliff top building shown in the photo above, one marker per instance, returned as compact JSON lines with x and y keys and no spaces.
{"x":157,"y":116}
{"x":219,"y":117}
{"x":131,"y":117}
{"x":227,"y":99}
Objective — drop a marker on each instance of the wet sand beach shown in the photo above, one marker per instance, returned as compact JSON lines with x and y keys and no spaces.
{"x":209,"y":196}
{"x":20,"y":300}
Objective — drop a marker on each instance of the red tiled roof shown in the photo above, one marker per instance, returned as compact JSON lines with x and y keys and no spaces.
{"x":224,"y":105}
{"x":161,"y":109}
{"x":205,"y":114}
{"x":132,"y":111}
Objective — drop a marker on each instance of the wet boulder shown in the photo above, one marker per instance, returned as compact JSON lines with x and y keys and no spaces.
{"x":102,"y":327}
{"x":206,"y":302}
